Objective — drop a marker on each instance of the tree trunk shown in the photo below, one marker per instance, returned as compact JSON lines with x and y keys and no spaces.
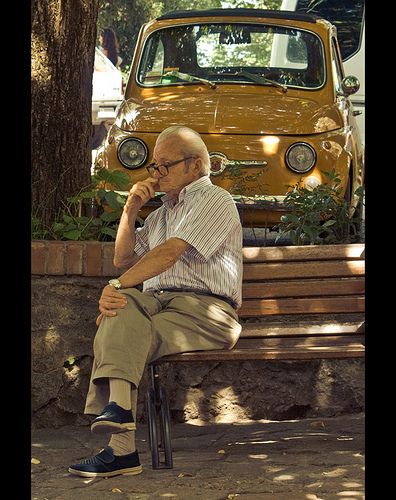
{"x":63,"y":47}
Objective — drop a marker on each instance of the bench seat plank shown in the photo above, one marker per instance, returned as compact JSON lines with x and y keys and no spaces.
{"x":264,"y":329}
{"x":308,"y":269}
{"x":303,"y":288}
{"x":266,"y":307}
{"x":290,"y":253}
{"x":353,"y":350}
{"x":300,"y":341}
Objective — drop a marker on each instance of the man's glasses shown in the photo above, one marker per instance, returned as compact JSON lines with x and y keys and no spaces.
{"x":163,"y":169}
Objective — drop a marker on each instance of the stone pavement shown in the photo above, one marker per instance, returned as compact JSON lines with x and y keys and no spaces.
{"x":308,"y":459}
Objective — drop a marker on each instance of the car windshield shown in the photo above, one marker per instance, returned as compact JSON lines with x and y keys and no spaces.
{"x":232,"y":53}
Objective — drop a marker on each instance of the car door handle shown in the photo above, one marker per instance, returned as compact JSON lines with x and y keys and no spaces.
{"x":356,"y":113}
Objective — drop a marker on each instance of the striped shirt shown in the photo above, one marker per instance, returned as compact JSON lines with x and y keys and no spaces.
{"x":205,"y":216}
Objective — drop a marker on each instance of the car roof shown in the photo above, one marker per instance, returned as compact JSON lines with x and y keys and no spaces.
{"x":278,"y":14}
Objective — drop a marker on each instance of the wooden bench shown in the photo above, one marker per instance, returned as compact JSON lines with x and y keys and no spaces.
{"x":299,"y":303}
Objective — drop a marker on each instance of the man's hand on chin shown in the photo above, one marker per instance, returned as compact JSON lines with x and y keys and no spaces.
{"x":141,"y":192}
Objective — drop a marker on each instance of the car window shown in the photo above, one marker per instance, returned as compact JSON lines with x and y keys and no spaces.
{"x":232,"y":53}
{"x":336,"y":67}
{"x":346,"y":16}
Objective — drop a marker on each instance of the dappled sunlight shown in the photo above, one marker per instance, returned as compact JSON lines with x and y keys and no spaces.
{"x":352,"y":484}
{"x":338,"y":472}
{"x":250,"y":253}
{"x":252,"y":442}
{"x":270,"y":145}
{"x":131,"y":115}
{"x":89,"y":481}
{"x":284,"y":477}
{"x":40,"y":67}
{"x":229,"y":399}
{"x":229,"y":264}
{"x":38,"y":445}
{"x":350,"y":495}
{"x":72,"y":374}
{"x":325,"y":123}
{"x":168,"y":98}
{"x":52,"y":337}
{"x":259,"y":457}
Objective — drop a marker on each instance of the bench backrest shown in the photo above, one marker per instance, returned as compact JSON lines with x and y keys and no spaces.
{"x":302,"y":280}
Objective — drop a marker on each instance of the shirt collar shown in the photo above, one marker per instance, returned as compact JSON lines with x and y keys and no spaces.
{"x":187,"y":191}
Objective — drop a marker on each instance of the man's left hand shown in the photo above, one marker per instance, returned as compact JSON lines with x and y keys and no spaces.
{"x":110,"y":300}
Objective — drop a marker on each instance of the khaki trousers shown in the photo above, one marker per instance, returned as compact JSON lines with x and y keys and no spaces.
{"x":150,"y":326}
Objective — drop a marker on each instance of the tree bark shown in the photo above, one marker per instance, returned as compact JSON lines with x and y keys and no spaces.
{"x":63,"y":48}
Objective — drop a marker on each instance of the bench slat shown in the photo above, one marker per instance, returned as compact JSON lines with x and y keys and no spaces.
{"x":290,"y":253}
{"x":308,"y":269}
{"x":252,"y":330}
{"x":300,"y":341}
{"x":301,"y":288}
{"x":355,"y":350}
{"x":266,"y":307}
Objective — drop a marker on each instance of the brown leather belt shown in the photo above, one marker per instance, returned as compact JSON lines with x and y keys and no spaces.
{"x":200,"y":292}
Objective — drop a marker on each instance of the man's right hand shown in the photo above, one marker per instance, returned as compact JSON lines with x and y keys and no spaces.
{"x":141,"y":193}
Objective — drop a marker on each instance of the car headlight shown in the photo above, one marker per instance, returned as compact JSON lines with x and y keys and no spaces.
{"x":300,"y":157}
{"x":132,"y":153}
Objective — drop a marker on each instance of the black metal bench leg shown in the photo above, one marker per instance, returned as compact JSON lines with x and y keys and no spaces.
{"x":158,"y":422}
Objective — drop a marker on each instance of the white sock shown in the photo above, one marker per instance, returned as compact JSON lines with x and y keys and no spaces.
{"x":120,"y":392}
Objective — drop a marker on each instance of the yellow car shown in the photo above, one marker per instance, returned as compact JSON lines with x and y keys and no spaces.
{"x":265,"y":89}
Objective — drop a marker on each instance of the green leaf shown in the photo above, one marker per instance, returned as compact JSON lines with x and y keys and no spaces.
{"x":74,"y":234}
{"x":328,"y":223}
{"x":67,"y":218}
{"x":117,"y":178}
{"x":114,"y":200}
{"x":58,"y":226}
{"x":88,"y":194}
{"x":109,"y":231}
{"x":71,"y":360}
{"x":110,"y":216}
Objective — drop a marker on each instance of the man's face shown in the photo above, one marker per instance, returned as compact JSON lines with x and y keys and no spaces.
{"x":168,"y":151}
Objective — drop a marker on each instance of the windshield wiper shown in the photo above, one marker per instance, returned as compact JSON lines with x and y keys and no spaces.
{"x":189,"y":78}
{"x":261,"y":79}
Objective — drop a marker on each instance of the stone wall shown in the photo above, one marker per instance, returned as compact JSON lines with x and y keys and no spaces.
{"x":64,"y":308}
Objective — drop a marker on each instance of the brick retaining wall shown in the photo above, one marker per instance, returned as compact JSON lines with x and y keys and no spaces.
{"x":66,"y":258}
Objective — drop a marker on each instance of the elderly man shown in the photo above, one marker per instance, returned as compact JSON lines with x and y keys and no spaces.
{"x":188,"y":255}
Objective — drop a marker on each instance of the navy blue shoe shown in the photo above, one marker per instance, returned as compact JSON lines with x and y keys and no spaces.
{"x":106,"y":464}
{"x":113,"y":419}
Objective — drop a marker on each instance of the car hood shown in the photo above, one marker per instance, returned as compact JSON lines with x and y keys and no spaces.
{"x":230,"y":114}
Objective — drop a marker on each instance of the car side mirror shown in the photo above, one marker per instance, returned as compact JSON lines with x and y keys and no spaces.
{"x":350,"y":85}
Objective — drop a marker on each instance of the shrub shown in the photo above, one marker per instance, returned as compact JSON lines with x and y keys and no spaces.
{"x":92,"y":214}
{"x":321,"y":215}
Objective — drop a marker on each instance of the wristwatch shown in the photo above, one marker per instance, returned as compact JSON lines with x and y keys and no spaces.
{"x":116,"y":283}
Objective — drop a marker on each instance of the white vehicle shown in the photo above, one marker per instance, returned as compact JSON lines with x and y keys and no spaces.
{"x":107,"y":95}
{"x":349,"y":19}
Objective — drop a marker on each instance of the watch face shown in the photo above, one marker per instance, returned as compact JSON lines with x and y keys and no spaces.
{"x":115,"y":283}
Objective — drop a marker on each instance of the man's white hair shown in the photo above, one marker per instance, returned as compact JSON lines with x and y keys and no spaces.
{"x":191,"y":144}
